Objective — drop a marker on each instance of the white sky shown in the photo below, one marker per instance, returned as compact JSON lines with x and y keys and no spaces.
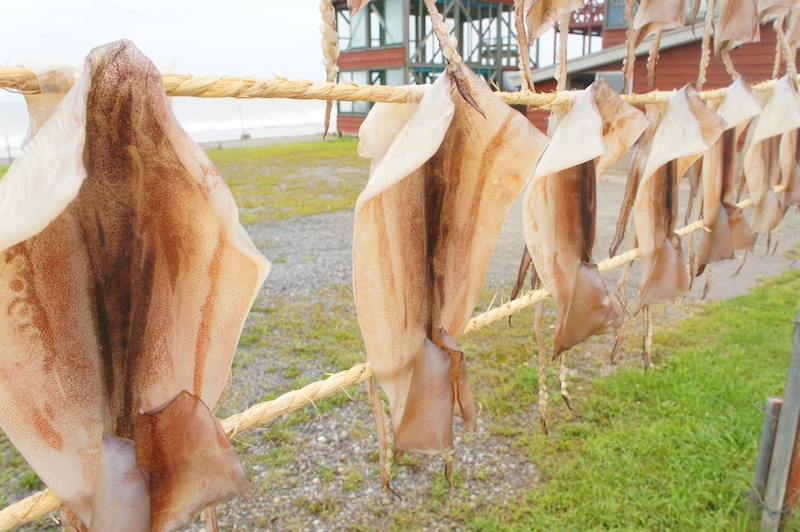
{"x":241,"y":38}
{"x":258,"y":38}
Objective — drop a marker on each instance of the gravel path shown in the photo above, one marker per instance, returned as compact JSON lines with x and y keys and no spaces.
{"x":309,"y":254}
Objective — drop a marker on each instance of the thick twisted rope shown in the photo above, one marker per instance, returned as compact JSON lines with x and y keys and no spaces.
{"x":44,"y":502}
{"x":20,"y":80}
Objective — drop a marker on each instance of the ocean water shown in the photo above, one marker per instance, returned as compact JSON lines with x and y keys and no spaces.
{"x":205,"y":119}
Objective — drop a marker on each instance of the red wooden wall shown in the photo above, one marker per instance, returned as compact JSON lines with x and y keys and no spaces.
{"x":377,"y":58}
{"x":680,"y":65}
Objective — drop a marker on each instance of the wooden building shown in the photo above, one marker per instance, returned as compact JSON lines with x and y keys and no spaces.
{"x":390,"y":42}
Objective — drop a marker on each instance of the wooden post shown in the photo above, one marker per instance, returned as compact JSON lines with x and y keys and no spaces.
{"x":793,"y":483}
{"x":784,"y":440}
{"x":768,"y":430}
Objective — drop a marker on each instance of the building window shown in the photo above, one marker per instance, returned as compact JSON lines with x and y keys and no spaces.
{"x":615,"y":15}
{"x":379,"y":24}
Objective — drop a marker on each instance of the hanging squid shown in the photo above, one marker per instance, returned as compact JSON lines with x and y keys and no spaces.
{"x":727,"y":229}
{"x":762,"y":160}
{"x":635,"y":169}
{"x":737,"y":24}
{"x":330,"y":50}
{"x":125,"y":280}
{"x":684,"y":132}
{"x":543,"y":14}
{"x":355,"y":5}
{"x":653,"y":18}
{"x":771,"y":9}
{"x":559,"y":214}
{"x":442,"y":180}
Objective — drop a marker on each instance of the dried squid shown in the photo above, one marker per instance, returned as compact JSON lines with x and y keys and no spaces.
{"x":125,"y":280}
{"x":762,"y":156}
{"x":559,"y":214}
{"x":738,"y":24}
{"x":653,"y":18}
{"x":728,"y":230}
{"x":684,"y":132}
{"x":442,"y":180}
{"x":541,"y":15}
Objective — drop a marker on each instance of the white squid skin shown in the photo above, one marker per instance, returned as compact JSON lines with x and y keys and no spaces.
{"x":559,"y":214}
{"x":425,"y":228}
{"x":762,"y":156}
{"x":122,"y":497}
{"x":155,"y":278}
{"x":682,"y":136}
{"x":728,"y":230}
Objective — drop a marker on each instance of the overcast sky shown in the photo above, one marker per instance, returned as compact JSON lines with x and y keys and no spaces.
{"x":241,"y":38}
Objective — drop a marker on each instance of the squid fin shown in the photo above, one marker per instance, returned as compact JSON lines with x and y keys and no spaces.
{"x":190,"y":460}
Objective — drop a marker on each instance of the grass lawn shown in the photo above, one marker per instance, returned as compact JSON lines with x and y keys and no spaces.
{"x":670,"y":449}
{"x":277,"y":182}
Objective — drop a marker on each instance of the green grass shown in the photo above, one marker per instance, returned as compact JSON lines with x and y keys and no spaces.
{"x":3,"y":170}
{"x":304,"y":329}
{"x":273,"y":183}
{"x":670,"y":449}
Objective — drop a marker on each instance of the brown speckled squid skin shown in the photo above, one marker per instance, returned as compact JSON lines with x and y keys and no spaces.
{"x":356,"y":5}
{"x":131,"y":296}
{"x":421,"y":251}
{"x":657,"y":15}
{"x":542,"y":15}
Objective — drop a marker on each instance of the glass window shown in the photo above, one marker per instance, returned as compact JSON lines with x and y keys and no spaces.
{"x":395,"y":77}
{"x":393,"y":15}
{"x":343,"y":28}
{"x":614,"y":18}
{"x":375,"y":24}
{"x":358,"y":29}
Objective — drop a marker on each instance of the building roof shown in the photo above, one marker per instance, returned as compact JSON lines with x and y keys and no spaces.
{"x":594,"y":61}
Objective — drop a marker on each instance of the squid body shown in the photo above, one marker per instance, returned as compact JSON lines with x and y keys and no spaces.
{"x":763,"y":158}
{"x":559,"y":213}
{"x":685,"y":130}
{"x":442,"y":181}
{"x":125,"y":280}
{"x":728,"y":230}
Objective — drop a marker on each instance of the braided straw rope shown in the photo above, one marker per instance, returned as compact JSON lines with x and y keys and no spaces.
{"x":21,"y":80}
{"x":44,"y":502}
